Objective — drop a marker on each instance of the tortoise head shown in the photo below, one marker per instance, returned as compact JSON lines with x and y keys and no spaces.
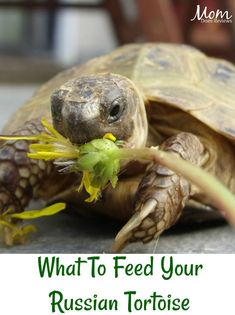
{"x":87,"y":107}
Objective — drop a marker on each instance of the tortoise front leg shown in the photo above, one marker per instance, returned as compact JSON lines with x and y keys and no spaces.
{"x":20,"y":177}
{"x":161,"y":194}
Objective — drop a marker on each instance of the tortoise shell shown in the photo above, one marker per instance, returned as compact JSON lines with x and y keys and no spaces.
{"x":177,"y":75}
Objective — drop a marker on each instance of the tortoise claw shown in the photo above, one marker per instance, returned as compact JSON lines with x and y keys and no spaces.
{"x":136,"y":227}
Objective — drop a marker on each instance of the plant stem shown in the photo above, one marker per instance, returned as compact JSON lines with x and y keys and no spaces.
{"x":220,"y":196}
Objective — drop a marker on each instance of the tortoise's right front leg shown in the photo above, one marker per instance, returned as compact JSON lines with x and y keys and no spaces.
{"x":20,"y":177}
{"x":162,"y":194}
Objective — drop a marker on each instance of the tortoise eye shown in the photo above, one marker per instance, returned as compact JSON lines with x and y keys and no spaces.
{"x":116,"y":109}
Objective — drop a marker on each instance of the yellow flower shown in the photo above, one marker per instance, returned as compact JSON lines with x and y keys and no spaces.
{"x":13,"y":233}
{"x":97,"y":160}
{"x":92,"y":191}
{"x":51,"y":145}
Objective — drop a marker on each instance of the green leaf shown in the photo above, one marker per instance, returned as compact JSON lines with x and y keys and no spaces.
{"x":88,"y":161}
{"x":114,"y":181}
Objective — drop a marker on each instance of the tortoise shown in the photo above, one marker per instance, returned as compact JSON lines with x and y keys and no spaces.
{"x":152,"y":94}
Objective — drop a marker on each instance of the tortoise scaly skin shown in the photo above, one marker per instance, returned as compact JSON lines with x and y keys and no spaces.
{"x":147,"y":95}
{"x":20,"y":177}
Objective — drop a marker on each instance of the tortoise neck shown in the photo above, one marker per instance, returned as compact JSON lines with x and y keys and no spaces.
{"x":139,"y":135}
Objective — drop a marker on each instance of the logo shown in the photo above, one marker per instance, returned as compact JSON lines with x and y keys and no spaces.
{"x":212,"y":16}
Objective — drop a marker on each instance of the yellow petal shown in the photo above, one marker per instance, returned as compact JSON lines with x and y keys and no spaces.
{"x":110,"y":136}
{"x":23,"y":230}
{"x":82,"y":183}
{"x":15,"y":138}
{"x":94,"y":194}
{"x":42,"y":147}
{"x":86,"y":180}
{"x":33,"y":214}
{"x":46,"y":137}
{"x":52,"y":155}
{"x":7,"y":224}
{"x":52,"y":130}
{"x":92,"y":191}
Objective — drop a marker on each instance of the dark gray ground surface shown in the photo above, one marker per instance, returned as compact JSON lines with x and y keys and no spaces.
{"x":66,"y":233}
